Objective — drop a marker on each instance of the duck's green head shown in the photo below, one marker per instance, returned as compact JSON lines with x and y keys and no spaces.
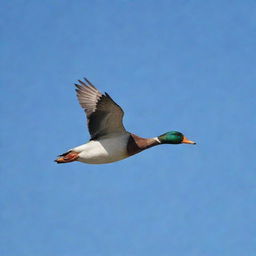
{"x":174,"y":137}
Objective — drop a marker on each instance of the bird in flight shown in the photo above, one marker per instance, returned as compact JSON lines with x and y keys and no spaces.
{"x":110,"y":142}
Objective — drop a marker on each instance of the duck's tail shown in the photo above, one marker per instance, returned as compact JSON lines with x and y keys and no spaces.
{"x":67,"y":157}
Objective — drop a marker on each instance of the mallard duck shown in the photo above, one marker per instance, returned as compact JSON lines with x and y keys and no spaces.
{"x":110,"y":142}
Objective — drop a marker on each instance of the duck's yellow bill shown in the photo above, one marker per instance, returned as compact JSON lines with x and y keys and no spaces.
{"x":185,"y":140}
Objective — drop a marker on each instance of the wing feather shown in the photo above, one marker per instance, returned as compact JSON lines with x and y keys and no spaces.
{"x":104,"y":116}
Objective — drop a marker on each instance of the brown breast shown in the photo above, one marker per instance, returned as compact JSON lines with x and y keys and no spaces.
{"x":136,"y":144}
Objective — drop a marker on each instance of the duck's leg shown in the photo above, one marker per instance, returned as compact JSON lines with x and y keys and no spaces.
{"x":67,"y":157}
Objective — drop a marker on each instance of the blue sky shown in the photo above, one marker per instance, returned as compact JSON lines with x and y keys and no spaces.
{"x":171,"y":65}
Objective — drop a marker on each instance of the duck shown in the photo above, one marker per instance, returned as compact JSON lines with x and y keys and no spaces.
{"x":110,"y":141}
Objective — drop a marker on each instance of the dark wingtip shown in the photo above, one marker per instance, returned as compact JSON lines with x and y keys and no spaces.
{"x":81,"y":82}
{"x":86,"y":80}
{"x":78,"y":86}
{"x":108,"y":95}
{"x":89,"y":82}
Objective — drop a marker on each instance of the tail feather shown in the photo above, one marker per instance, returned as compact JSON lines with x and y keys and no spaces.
{"x":64,"y":154}
{"x":67,"y":157}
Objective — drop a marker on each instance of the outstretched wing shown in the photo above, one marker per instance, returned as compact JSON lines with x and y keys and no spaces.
{"x":104,"y":116}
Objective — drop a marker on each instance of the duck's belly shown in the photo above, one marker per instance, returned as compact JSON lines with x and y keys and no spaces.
{"x":103,"y":151}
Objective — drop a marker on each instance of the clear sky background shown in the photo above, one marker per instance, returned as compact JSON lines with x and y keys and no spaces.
{"x":171,"y":65}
